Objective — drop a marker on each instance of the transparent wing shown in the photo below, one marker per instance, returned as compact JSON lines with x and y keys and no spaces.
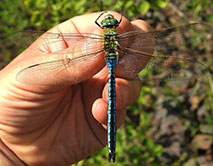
{"x":62,"y":72}
{"x":24,"y":39}
{"x":173,"y":53}
{"x":169,"y":53}
{"x":79,"y":48}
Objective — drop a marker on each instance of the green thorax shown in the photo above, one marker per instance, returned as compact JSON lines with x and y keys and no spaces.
{"x":110,"y":35}
{"x":110,"y":39}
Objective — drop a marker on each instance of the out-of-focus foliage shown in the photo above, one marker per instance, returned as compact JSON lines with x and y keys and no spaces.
{"x":43,"y":14}
{"x":164,"y":121}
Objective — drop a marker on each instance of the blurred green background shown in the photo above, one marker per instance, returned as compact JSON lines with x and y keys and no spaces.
{"x":166,"y":126}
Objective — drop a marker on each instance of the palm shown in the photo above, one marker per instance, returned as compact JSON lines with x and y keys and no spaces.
{"x":51,"y":135}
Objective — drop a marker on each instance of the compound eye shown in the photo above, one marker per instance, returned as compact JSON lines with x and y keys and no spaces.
{"x":109,"y":16}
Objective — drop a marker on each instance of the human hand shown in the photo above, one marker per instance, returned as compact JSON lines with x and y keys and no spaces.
{"x":63,"y":123}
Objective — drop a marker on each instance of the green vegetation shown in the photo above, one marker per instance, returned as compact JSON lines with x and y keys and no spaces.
{"x":148,"y":136}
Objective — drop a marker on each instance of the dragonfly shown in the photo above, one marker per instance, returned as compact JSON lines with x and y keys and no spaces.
{"x":159,"y":51}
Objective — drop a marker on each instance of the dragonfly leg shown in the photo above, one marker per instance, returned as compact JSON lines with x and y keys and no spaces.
{"x":121,"y":17}
{"x":96,"y":21}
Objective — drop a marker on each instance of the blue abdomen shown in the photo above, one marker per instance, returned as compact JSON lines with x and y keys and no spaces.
{"x":111,"y":61}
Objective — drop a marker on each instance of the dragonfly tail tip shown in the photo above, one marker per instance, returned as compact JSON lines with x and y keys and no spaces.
{"x":111,"y":157}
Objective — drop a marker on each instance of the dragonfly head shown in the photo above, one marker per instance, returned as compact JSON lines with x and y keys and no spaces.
{"x":109,"y":21}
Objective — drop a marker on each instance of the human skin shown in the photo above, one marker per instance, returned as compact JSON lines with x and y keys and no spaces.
{"x":60,"y":124}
